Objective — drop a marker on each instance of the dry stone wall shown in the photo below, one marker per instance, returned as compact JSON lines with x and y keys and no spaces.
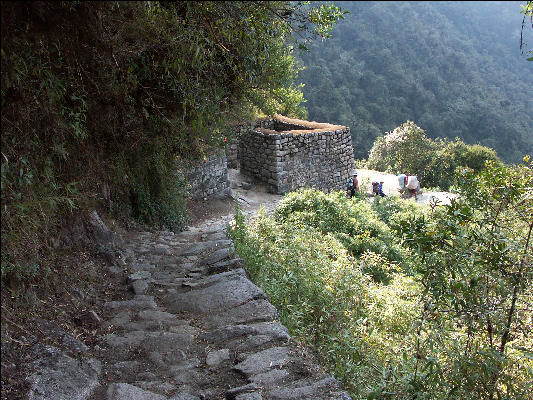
{"x":233,"y":148}
{"x":291,"y":154}
{"x":209,"y":178}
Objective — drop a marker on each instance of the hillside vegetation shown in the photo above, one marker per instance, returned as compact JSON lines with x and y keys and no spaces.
{"x":453,"y":68}
{"x":408,"y":150}
{"x":407,"y":301}
{"x":102,"y":100}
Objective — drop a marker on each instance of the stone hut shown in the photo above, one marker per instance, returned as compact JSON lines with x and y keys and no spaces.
{"x":287,"y":154}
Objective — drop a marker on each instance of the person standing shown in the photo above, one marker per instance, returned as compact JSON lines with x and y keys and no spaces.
{"x":402,"y":183}
{"x":380,"y":189}
{"x":352,"y":185}
{"x":413,"y":186}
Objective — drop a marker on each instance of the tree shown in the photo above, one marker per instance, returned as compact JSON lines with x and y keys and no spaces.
{"x":475,"y":265}
{"x":527,"y":10}
{"x":406,"y":149}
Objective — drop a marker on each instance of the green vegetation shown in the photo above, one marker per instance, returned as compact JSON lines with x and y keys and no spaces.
{"x":527,"y":10}
{"x":403,"y":301}
{"x":454,"y":68}
{"x":101,"y":99}
{"x":407,"y":150}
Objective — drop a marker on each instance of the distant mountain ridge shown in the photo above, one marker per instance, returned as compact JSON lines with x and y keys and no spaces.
{"x":454,"y":68}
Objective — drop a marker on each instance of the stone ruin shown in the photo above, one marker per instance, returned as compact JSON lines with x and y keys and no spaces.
{"x":283,"y":153}
{"x":287,"y":154}
{"x":209,"y":178}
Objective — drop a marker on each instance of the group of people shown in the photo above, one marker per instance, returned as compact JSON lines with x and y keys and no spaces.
{"x":408,"y":185}
{"x":352,"y":186}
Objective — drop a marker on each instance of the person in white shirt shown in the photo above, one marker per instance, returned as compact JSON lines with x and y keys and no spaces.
{"x":413,"y":186}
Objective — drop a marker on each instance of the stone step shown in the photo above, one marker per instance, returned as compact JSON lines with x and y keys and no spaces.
{"x":204,"y":332}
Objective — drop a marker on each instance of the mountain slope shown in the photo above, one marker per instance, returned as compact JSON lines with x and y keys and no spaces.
{"x":454,"y":68}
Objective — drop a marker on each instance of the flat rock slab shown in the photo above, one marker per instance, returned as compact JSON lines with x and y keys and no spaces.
{"x":272,"y":330}
{"x":271,"y":378}
{"x":139,"y":302}
{"x":139,"y":275}
{"x":217,"y":357}
{"x":218,"y":255}
{"x":163,"y":342}
{"x":222,"y":295}
{"x":135,"y":267}
{"x":205,"y":281}
{"x":204,"y":247}
{"x":60,"y":377}
{"x":314,"y":390}
{"x":130,"y":339}
{"x":252,"y":311}
{"x":159,"y":316}
{"x":217,"y":235}
{"x":253,"y":343}
{"x":264,"y":361}
{"x":125,"y":391}
{"x":222,"y":266}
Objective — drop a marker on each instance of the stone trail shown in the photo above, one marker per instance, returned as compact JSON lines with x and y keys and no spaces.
{"x":195,"y":327}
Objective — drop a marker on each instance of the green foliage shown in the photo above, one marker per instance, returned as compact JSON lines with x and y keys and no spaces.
{"x":447,"y":314}
{"x":407,"y":150}
{"x":353,"y":223}
{"x":322,"y":292}
{"x":112,"y":94}
{"x":436,"y":64}
{"x":476,"y":264}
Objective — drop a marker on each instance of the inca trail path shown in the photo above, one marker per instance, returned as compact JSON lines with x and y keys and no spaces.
{"x":190,"y":325}
{"x":195,"y":327}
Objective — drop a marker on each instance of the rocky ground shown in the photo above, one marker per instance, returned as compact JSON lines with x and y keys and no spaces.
{"x":161,"y":316}
{"x":182,"y":321}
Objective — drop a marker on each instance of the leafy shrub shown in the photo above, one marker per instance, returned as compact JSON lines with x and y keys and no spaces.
{"x":450,"y":319}
{"x":325,"y":298}
{"x":407,"y":150}
{"x":353,"y":222}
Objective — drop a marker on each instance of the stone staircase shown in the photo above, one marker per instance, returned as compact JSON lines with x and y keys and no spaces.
{"x":193,"y":326}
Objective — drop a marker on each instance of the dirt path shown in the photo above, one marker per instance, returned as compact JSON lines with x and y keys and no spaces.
{"x":390,"y":186}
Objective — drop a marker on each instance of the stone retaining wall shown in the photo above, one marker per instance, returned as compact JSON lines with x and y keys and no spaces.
{"x":232,"y":149}
{"x":290,"y":154}
{"x":209,"y":178}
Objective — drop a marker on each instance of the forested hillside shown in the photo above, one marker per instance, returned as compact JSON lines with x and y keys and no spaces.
{"x":454,"y":68}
